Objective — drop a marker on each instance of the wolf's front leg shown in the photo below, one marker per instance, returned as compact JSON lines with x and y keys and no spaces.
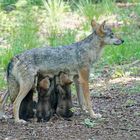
{"x":84,"y":79}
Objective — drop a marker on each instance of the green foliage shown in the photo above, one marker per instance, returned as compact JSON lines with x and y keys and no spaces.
{"x":91,"y":10}
{"x":55,"y":10}
{"x":86,"y":8}
{"x":7,"y":2}
{"x":89,"y":123}
{"x":130,"y":102}
{"x":73,"y":109}
{"x":25,"y":37}
{"x":62,"y":38}
{"x":36,"y":2}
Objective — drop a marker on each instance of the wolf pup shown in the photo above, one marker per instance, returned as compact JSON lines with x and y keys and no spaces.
{"x":75,"y":59}
{"x":44,"y":108}
{"x":63,"y":91}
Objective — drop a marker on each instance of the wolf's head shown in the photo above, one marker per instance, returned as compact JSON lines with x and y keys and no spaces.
{"x":105,"y":34}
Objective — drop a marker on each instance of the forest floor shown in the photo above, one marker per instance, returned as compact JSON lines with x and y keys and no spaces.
{"x":118,"y":101}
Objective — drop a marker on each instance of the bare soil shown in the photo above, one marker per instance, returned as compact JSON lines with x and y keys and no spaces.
{"x":118,"y":102}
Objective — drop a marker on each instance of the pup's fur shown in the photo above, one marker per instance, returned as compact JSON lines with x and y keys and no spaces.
{"x":75,"y":59}
{"x":63,"y":90}
{"x":54,"y":96}
{"x":44,"y":105}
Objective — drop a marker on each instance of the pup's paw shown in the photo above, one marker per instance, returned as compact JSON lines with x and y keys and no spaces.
{"x":20,"y":121}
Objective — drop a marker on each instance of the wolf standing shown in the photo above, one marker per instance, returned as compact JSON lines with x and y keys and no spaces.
{"x":75,"y":59}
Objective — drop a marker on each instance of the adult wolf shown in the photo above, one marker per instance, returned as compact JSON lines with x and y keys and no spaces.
{"x":75,"y":59}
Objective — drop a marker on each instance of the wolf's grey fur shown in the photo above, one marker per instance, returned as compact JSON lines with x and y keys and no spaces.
{"x":50,"y":61}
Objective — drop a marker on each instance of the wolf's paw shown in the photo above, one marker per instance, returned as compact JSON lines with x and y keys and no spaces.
{"x":95,"y":116}
{"x":20,"y":121}
{"x":83,"y":108}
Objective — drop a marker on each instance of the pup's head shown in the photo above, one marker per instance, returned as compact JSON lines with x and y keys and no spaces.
{"x":64,"y":102}
{"x":43,"y":86}
{"x":64,"y":79}
{"x":105,"y":34}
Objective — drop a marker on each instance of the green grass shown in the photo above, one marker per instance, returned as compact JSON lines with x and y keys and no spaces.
{"x":91,"y":10}
{"x":62,"y":38}
{"x":55,"y":10}
{"x":23,"y":38}
{"x":7,"y":2}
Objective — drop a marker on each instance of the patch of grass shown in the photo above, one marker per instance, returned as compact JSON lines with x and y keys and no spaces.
{"x":137,"y":114}
{"x":135,"y":89}
{"x":91,"y":10}
{"x":36,"y":2}
{"x":24,"y":38}
{"x":7,"y":2}
{"x":86,"y":8}
{"x":92,"y":123}
{"x":55,"y":10}
{"x":61,"y":38}
{"x":130,"y":102}
{"x":89,"y":123}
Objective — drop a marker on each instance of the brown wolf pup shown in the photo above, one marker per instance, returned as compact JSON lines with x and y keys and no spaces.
{"x":44,"y":108}
{"x":63,"y":91}
{"x":75,"y":59}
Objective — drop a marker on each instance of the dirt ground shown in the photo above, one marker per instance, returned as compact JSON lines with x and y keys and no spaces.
{"x":118,"y":102}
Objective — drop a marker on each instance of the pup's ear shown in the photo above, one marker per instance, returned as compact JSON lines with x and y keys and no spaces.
{"x":45,"y":83}
{"x":94,"y":24}
{"x":101,"y":29}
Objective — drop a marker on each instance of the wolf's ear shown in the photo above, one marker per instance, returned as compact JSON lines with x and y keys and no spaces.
{"x":102,"y":26}
{"x":101,"y":29}
{"x":94,"y":24}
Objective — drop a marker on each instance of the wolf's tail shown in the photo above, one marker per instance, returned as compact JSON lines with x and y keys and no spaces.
{"x":13,"y":86}
{"x":4,"y":98}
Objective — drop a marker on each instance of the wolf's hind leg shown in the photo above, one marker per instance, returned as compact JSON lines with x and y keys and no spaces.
{"x":13,"y":89}
{"x":25,"y":87}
